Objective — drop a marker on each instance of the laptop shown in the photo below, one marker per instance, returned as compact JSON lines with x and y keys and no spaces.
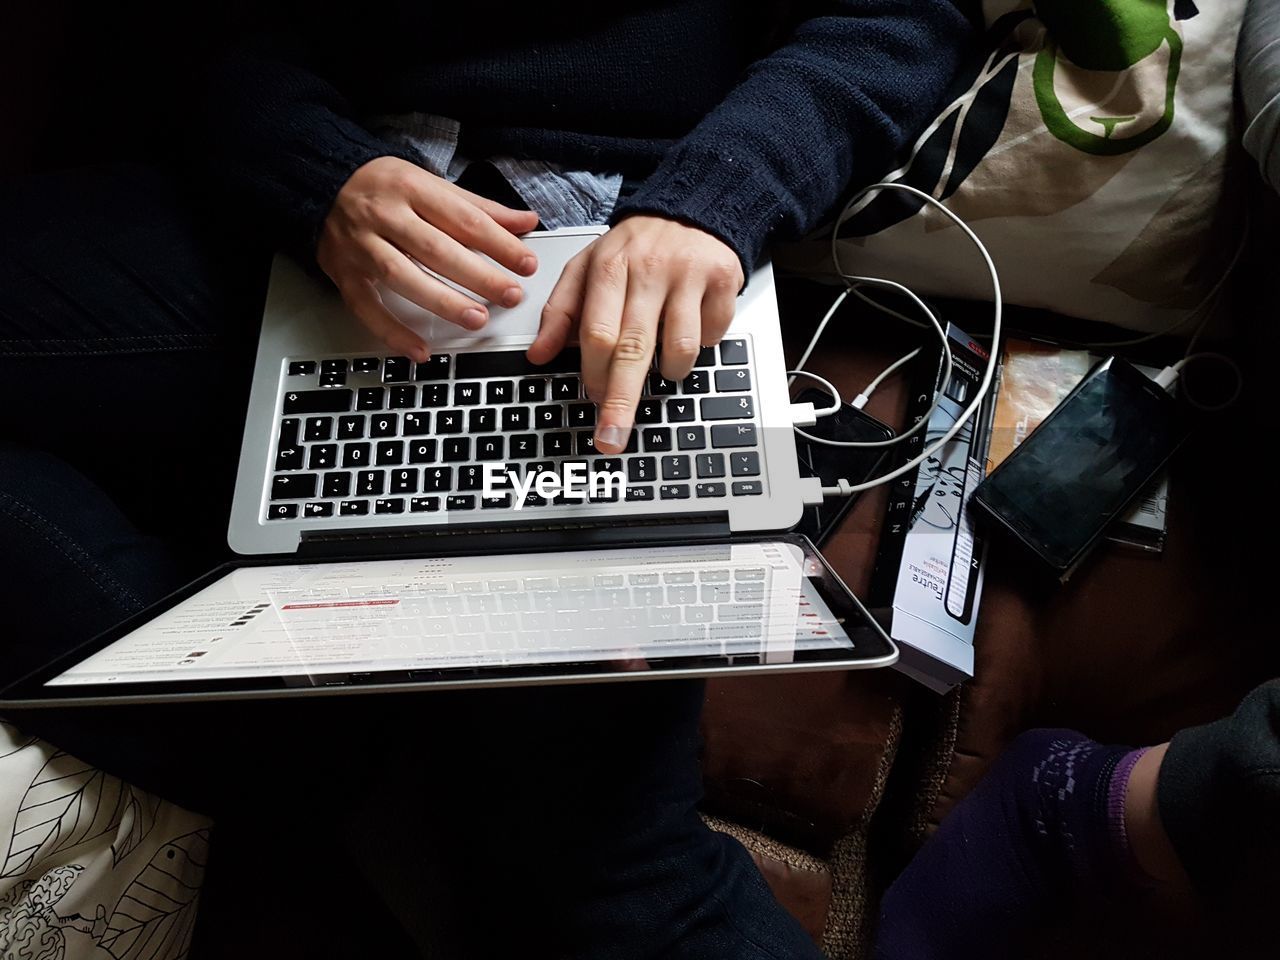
{"x":408,"y":526}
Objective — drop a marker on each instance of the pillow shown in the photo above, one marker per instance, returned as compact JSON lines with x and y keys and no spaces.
{"x":1089,"y":151}
{"x":91,"y":867}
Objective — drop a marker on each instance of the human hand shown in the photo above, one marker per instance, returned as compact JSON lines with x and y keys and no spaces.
{"x":390,"y":211}
{"x":645,"y":272}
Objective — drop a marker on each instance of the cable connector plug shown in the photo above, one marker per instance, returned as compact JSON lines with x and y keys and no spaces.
{"x":803,"y":415}
{"x":1166,"y":378}
{"x":842,"y":488}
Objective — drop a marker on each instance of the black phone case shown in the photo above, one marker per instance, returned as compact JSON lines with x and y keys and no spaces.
{"x":980,"y":502}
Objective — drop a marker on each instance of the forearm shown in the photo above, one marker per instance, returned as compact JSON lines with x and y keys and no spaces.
{"x":837,"y":103}
{"x":282,"y":140}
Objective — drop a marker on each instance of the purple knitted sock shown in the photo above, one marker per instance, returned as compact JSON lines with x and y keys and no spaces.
{"x":1042,"y":829}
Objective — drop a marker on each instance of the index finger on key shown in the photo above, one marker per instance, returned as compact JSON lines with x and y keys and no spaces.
{"x":628,"y":369}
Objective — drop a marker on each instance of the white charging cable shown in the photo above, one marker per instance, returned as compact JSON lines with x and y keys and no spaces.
{"x":843,"y":488}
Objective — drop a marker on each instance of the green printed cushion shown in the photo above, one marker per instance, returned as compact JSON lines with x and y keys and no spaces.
{"x":1089,"y":151}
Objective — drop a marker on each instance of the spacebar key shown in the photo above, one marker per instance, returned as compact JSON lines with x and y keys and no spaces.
{"x":513,"y":363}
{"x":317,"y":401}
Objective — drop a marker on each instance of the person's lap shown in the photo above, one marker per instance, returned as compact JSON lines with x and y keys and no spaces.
{"x":127,"y":312}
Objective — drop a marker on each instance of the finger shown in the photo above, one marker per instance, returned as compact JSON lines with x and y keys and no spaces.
{"x":397,"y":272}
{"x":464,"y":220}
{"x":562,"y":310}
{"x":718,"y":306}
{"x":681,"y":332}
{"x":437,"y":250}
{"x":362,"y":298}
{"x":601,"y":316}
{"x":509,"y":218}
{"x":630,"y":367}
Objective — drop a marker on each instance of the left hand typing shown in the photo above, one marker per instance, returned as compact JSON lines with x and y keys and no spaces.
{"x":645,"y":273}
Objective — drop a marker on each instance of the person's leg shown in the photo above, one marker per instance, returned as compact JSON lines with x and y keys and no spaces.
{"x":586,"y":833}
{"x":127,"y":310}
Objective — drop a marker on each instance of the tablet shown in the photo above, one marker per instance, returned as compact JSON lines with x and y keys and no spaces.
{"x":414,"y":623}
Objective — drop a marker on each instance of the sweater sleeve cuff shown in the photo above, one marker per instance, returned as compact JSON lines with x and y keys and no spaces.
{"x":705,"y":191}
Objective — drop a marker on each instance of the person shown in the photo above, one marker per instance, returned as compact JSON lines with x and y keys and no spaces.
{"x":697,"y":132}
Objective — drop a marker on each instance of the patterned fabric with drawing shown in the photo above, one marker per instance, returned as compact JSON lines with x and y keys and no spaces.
{"x":1091,"y":150}
{"x":90,"y":867}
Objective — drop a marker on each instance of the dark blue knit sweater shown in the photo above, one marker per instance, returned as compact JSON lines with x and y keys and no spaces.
{"x":743,"y":117}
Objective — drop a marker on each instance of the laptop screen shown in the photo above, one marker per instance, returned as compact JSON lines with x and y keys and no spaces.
{"x":546,"y":615}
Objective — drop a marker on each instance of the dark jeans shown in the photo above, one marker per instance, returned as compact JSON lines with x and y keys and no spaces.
{"x":559,"y":822}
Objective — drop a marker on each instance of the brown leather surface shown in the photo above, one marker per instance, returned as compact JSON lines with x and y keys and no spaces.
{"x":796,"y":756}
{"x":806,"y":894}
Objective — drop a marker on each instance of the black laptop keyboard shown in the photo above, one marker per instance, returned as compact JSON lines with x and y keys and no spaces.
{"x":370,"y":436}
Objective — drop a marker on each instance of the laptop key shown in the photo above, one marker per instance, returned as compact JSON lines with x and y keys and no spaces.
{"x":732,"y":381}
{"x":548,"y":418}
{"x":416,"y":424}
{"x":675,"y":468}
{"x":402,"y":397}
{"x":733,"y":353}
{"x":657,"y":439}
{"x":639,"y":494}
{"x":282,"y":511}
{"x":680,"y":411}
{"x":365,"y":365}
{"x":389,"y":453}
{"x":745,"y":464}
{"x":455,"y":449}
{"x":696,"y":382}
{"x":499,"y":392}
{"x":317,"y":509}
{"x":727,"y":408}
{"x":422,"y":451}
{"x":582,"y":414}
{"x":323,"y":456}
{"x":661,"y":387}
{"x":710,"y":465}
{"x":674,"y":491}
{"x":706,"y":357}
{"x":336,"y":485}
{"x":449,"y":421}
{"x":466,"y":394}
{"x":296,"y":486}
{"x":289,"y":458}
{"x":289,"y":433}
{"x":514,"y":363}
{"x":748,"y":488}
{"x":533,"y":390}
{"x":649,"y":411}
{"x":350,"y":428}
{"x":370,"y":398}
{"x":353,"y":508}
{"x":355,"y":455}
{"x":460,"y":502}
{"x":436,"y":367}
{"x":388,"y":505}
{"x":437,"y":480}
{"x":489,"y":448}
{"x":435,"y":395}
{"x":333,"y":400}
{"x":733,"y":435}
{"x":404,"y":481}
{"x":491,"y":503}
{"x":302,"y":368}
{"x":515,"y":418}
{"x":333,"y":379}
{"x":691,"y":438}
{"x":710,"y":490}
{"x":483,"y":420}
{"x":369,"y":483}
{"x":524,"y":446}
{"x":557,"y":444}
{"x":470,"y":477}
{"x":424,"y":504}
{"x":395,"y":370}
{"x":318,"y":428}
{"x":585,"y":446}
{"x":566,"y":388}
{"x":384,"y":425}
{"x":641,"y":470}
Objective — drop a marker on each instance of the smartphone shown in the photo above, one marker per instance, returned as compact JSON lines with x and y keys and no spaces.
{"x":830,"y":464}
{"x":1089,"y":459}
